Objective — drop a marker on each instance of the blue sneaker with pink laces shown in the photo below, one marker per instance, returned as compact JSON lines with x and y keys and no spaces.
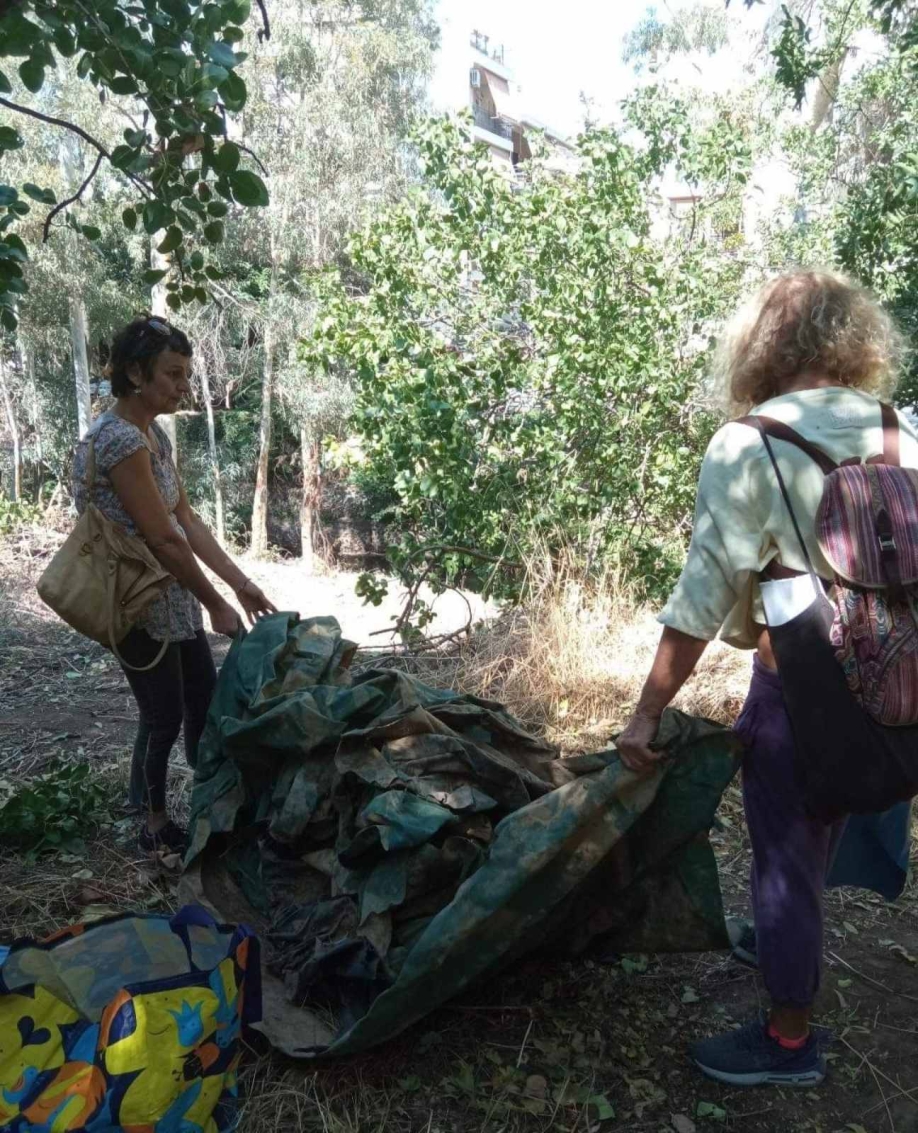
{"x":751,"y":1057}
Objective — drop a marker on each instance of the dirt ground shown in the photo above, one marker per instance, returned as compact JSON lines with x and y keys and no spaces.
{"x":572,"y":1046}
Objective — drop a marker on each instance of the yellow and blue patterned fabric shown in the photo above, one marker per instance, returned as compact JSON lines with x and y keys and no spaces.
{"x":130,"y":1023}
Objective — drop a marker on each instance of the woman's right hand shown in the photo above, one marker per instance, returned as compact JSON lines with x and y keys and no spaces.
{"x":633,"y":745}
{"x":225,"y":619}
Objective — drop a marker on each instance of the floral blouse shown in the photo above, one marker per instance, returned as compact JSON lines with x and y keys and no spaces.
{"x":177,"y":613}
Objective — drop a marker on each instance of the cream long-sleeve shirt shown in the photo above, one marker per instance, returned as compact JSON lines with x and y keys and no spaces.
{"x":741,"y":520}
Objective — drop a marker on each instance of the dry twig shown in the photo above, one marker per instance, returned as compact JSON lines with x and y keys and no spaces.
{"x":872,"y":981}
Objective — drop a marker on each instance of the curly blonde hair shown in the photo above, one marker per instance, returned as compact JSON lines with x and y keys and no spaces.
{"x":817,"y":322}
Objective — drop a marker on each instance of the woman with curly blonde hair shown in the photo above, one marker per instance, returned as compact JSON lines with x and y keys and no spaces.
{"x":815,"y":352}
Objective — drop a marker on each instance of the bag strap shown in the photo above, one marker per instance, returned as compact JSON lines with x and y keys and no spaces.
{"x":768,"y":426}
{"x":782,"y":432}
{"x":89,"y":470}
{"x":890,"y":434}
{"x":762,"y":425}
{"x":112,"y":599}
{"x":889,"y":552}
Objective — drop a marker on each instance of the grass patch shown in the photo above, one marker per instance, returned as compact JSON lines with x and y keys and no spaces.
{"x":57,"y":810}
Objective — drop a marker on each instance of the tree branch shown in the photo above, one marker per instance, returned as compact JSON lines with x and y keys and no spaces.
{"x":254,"y":156}
{"x":70,"y":200}
{"x":62,"y":123}
{"x":265,"y":32}
{"x":232,"y":298}
{"x":450,"y":549}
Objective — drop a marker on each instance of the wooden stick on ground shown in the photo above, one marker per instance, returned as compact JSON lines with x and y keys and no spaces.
{"x":519,"y":1061}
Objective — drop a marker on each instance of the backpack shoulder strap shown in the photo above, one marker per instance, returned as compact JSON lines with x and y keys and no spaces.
{"x":890,"y":434}
{"x":761,"y":425}
{"x":782,"y":432}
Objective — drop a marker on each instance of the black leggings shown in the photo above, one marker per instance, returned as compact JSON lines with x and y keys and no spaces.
{"x":176,"y":692}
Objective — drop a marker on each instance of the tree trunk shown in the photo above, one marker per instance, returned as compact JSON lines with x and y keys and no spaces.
{"x":80,"y":364}
{"x":214,"y":461}
{"x":312,"y":496}
{"x":260,"y":504}
{"x":13,"y":426}
{"x":826,"y":93}
{"x":32,"y":415}
{"x":158,"y":262}
{"x":71,"y":167}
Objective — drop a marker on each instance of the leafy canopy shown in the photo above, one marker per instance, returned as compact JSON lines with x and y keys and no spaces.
{"x":859,"y":173}
{"x":526,"y":352}
{"x":175,"y":65}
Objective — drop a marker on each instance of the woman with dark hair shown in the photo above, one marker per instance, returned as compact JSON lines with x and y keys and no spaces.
{"x":137,"y":486}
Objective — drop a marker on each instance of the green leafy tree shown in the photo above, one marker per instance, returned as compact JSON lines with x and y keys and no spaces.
{"x":654,"y":41}
{"x":858,"y":166}
{"x":332,"y":97}
{"x":172,"y":65}
{"x":527,"y":356}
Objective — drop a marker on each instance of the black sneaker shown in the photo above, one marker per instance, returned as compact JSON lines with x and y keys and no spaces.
{"x":751,"y":1057}
{"x":742,"y":941}
{"x":171,"y":839}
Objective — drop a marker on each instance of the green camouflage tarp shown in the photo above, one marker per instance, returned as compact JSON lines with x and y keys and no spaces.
{"x":393,"y":842}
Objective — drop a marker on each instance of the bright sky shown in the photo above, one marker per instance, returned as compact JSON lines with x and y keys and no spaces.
{"x":554,"y":50}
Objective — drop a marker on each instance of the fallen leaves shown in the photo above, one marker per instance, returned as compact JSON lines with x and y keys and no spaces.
{"x":903,"y":954}
{"x":646,"y":1095}
{"x":537,"y":1086}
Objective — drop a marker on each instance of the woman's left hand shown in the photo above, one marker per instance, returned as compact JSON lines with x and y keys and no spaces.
{"x":254,"y":602}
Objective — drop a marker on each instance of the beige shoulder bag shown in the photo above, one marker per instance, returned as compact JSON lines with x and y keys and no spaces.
{"x":102,"y":579}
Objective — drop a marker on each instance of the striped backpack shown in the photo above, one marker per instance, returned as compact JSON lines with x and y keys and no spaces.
{"x":867,"y":529}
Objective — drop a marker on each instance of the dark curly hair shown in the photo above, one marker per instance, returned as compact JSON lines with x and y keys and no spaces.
{"x":139,"y":344}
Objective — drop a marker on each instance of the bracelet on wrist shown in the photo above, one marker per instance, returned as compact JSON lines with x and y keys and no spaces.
{"x":239,"y":589}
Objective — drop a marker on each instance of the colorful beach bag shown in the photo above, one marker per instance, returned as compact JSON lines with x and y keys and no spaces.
{"x":130,"y":1023}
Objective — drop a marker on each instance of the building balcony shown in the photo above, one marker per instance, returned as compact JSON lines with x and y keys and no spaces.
{"x":496,"y":126}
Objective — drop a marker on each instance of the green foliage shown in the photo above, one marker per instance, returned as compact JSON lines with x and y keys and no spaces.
{"x":872,"y":150}
{"x":699,"y":28}
{"x":371,"y":589}
{"x":17,"y":514}
{"x":347,"y":88}
{"x":56,"y":809}
{"x":795,"y":63}
{"x":237,"y":441}
{"x":875,"y":222}
{"x":174,"y":63}
{"x":522,"y":353}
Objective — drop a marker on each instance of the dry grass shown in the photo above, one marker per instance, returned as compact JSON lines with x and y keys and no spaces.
{"x":571,"y":659}
{"x":291,"y":1098}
